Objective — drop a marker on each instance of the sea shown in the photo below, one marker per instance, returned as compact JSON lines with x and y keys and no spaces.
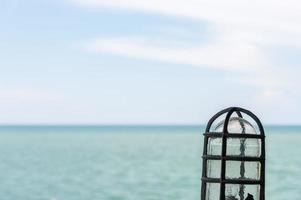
{"x":127,"y":162}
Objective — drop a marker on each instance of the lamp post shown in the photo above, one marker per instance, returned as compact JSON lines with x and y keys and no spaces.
{"x":233,"y":157}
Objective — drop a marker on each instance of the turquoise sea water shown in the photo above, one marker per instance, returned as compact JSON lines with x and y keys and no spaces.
{"x":127,"y":163}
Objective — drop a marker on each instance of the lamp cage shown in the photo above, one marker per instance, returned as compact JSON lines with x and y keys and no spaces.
{"x":233,"y":157}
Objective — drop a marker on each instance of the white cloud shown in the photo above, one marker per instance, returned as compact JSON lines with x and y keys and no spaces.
{"x":264,"y":21}
{"x":27,"y":95}
{"x":217,"y":55}
{"x":242,"y":29}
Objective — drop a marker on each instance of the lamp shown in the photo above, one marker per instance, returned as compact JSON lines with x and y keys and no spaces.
{"x":233,"y":157}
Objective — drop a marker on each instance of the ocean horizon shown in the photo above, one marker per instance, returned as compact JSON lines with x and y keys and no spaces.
{"x":127,"y":162}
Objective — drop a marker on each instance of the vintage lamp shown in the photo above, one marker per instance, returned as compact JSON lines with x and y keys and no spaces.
{"x":233,"y":157}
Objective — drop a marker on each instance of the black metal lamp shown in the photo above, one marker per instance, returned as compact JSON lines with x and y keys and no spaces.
{"x":233,"y":157}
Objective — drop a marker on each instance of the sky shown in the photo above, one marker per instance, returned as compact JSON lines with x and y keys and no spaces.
{"x":148,"y":62}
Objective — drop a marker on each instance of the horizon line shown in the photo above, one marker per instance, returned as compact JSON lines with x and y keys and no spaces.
{"x":120,"y":125}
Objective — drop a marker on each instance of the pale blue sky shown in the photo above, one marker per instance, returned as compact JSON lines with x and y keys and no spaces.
{"x":147,"y":62}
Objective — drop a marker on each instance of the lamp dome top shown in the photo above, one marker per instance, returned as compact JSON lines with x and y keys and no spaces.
{"x":236,"y":125}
